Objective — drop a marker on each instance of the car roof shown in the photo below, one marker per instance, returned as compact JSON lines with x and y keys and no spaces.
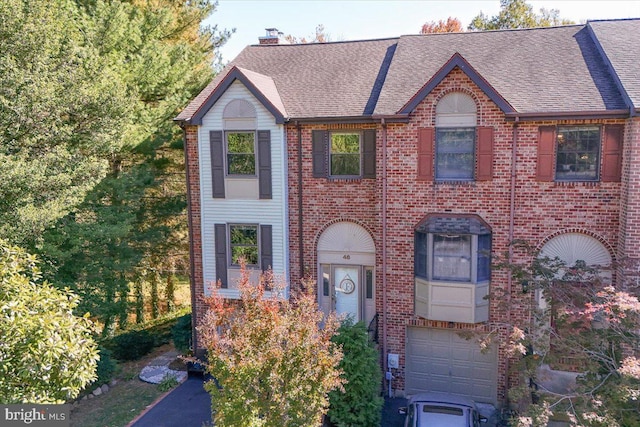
{"x":446,"y":398}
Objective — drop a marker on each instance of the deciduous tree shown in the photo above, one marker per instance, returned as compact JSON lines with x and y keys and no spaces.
{"x":577,"y":315}
{"x":451,"y":25}
{"x":517,"y":14}
{"x":272,"y":357}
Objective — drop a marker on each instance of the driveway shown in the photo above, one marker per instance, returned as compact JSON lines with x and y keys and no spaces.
{"x":188,"y":405}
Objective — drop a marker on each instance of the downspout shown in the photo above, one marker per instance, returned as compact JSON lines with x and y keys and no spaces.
{"x":512,"y":207}
{"x":192,"y":266}
{"x":300,"y":238}
{"x":384,"y":248}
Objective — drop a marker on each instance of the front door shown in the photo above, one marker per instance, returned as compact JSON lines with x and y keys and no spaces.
{"x":346,"y":281}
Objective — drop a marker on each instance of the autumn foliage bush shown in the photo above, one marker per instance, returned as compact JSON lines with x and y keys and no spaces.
{"x":271,"y":355}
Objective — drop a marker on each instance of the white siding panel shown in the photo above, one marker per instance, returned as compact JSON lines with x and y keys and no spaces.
{"x":267,"y":212}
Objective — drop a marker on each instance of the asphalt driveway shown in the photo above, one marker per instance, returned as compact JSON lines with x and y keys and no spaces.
{"x":189,"y":405}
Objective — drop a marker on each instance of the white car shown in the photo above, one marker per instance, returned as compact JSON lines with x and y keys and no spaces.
{"x":441,"y":410}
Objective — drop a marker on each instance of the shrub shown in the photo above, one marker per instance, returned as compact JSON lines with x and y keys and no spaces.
{"x":47,"y":354}
{"x":181,"y":332}
{"x":360,"y":404}
{"x":272,"y":361}
{"x":106,"y":366}
{"x":131,"y":345}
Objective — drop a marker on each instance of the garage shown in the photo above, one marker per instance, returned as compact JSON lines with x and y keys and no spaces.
{"x":439,"y":360}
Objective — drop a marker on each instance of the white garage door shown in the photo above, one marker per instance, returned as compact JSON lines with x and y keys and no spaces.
{"x":439,"y":360}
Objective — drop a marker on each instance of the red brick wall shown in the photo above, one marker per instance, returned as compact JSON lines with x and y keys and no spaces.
{"x":542,"y":209}
{"x":629,"y":236}
{"x":195,"y":235}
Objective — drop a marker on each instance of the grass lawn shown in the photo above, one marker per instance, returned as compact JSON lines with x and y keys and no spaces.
{"x":124,"y":401}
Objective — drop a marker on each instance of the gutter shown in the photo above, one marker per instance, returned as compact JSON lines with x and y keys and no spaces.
{"x":375,"y":118}
{"x":569,"y":115}
{"x":512,"y":214}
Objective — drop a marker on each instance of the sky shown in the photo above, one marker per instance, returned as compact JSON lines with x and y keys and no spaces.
{"x":371,"y":19}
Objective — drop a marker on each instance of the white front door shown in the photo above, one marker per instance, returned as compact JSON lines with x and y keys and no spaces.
{"x":346,"y":281}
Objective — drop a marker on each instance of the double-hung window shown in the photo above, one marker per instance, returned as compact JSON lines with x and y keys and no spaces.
{"x":455,"y":138}
{"x":241,"y":153}
{"x":243,"y":240}
{"x":578,"y":153}
{"x":345,"y":153}
{"x":455,"y":153}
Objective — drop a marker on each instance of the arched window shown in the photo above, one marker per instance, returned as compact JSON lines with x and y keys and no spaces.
{"x":455,"y":137}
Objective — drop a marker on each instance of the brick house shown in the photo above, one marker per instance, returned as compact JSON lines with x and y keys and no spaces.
{"x":388,"y":170}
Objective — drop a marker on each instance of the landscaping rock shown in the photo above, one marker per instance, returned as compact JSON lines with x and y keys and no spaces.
{"x":155,"y":374}
{"x":105,"y":388}
{"x":97,"y":392}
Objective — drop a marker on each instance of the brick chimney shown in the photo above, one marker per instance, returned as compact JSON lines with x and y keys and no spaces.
{"x":273,"y":37}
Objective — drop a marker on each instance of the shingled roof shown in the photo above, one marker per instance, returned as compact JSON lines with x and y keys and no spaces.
{"x":589,"y":68}
{"x":619,"y":43}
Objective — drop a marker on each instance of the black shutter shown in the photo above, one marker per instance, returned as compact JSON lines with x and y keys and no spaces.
{"x":217,"y":163}
{"x":221,"y":253}
{"x":369,"y":154}
{"x":320,"y":151}
{"x":266,"y":248}
{"x":264,"y":164}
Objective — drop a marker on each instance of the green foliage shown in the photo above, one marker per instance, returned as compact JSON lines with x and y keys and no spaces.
{"x":273,"y":362}
{"x":60,"y":111}
{"x":167,"y":383}
{"x":106,"y":366}
{"x":130,"y":219}
{"x":47,"y":354}
{"x":131,"y":345}
{"x":181,"y":333}
{"x":517,"y":14}
{"x":360,"y":404}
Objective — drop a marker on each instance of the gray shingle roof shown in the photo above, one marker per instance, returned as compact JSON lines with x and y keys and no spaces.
{"x":619,"y":40}
{"x":535,"y":70}
{"x":543,"y":70}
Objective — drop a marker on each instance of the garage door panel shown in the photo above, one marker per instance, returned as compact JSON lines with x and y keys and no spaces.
{"x":439,"y":360}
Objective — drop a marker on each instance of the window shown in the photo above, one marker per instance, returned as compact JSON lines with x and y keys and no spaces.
{"x":455,"y":153}
{"x":453,"y":249}
{"x":241,"y":158}
{"x":455,"y":137}
{"x":244,"y":244}
{"x":345,"y":154}
{"x":578,"y":153}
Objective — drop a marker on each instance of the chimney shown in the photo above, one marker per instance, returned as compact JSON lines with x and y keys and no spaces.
{"x":273,"y":37}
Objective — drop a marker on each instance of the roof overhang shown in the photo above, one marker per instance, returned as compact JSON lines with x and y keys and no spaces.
{"x":457,"y":61}
{"x":567,"y":115}
{"x":234,"y":74}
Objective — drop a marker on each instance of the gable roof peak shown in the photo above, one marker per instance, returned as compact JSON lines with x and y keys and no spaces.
{"x":456,"y":61}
